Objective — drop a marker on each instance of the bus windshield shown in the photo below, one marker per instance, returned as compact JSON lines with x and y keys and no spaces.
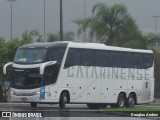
{"x":26,"y":79}
{"x":30,"y":55}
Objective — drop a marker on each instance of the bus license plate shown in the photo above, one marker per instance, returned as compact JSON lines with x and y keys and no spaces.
{"x":23,"y":99}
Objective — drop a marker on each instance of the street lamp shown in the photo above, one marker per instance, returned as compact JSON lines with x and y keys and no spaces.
{"x":61,"y":21}
{"x":84,"y":19}
{"x":156,"y":17}
{"x":44,"y":21}
{"x":11,"y":18}
{"x":156,"y":23}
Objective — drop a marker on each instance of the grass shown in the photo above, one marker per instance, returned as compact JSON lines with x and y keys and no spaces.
{"x":143,"y":107}
{"x":152,"y":104}
{"x":129,"y":109}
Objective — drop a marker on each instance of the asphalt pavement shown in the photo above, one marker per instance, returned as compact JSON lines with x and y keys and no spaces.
{"x":21,"y":111}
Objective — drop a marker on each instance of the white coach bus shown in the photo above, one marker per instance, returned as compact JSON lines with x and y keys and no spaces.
{"x":82,"y":73}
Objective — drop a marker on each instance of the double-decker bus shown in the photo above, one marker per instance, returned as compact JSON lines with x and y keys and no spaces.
{"x":81,"y":73}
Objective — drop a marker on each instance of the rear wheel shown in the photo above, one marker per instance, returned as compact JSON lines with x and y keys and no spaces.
{"x":33,"y":105}
{"x":121,"y":100}
{"x":130,"y":101}
{"x":63,"y":100}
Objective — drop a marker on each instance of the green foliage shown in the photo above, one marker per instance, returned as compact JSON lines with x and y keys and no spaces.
{"x":157,"y":73}
{"x":8,"y":50}
{"x":52,"y":37}
{"x":68,"y":36}
{"x":111,"y":25}
{"x":114,"y":26}
{"x":31,"y":36}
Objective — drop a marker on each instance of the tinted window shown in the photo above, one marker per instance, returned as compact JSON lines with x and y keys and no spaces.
{"x":87,"y":57}
{"x":101,"y":58}
{"x":73,"y":58}
{"x":138,"y":60}
{"x":127,"y":60}
{"x":51,"y":73}
{"x":56,"y":55}
{"x":115,"y":59}
{"x":148,"y":60}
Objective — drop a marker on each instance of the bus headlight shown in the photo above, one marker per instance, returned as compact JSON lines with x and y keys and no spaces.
{"x":37,"y":92}
{"x":11,"y":92}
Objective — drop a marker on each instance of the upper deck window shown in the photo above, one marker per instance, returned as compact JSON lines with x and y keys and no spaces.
{"x":30,"y":55}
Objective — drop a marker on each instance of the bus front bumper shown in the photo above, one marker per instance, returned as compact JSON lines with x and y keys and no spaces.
{"x":25,"y":99}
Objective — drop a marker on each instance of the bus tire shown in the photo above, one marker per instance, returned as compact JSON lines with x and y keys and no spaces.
{"x":121,"y":100}
{"x":33,"y":105}
{"x":63,"y":100}
{"x":130,"y":101}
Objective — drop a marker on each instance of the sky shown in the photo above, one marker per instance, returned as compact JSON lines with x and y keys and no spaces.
{"x":29,"y":15}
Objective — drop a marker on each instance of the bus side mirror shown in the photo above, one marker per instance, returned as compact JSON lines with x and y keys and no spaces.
{"x":5,"y":67}
{"x":46,"y":64}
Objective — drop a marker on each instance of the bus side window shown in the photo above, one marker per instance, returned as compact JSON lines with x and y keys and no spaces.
{"x":115,"y":59}
{"x":127,"y":60}
{"x":56,"y":55}
{"x":87,"y":57}
{"x":147,"y":60}
{"x":138,"y":60}
{"x":73,"y":58}
{"x":101,"y":58}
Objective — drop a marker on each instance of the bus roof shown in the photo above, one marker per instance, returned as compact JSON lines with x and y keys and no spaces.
{"x":46,"y":44}
{"x":105,"y":47}
{"x":82,"y":45}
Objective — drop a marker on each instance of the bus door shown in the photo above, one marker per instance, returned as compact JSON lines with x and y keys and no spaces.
{"x":48,"y":92}
{"x":50,"y":76}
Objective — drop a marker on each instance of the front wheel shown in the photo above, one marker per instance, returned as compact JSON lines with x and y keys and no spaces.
{"x":63,"y":100}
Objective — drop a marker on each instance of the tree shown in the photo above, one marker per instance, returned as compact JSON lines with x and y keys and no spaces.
{"x":68,"y":36}
{"x":110,"y":25}
{"x":31,"y":36}
{"x":53,"y":37}
{"x":2,"y":59}
{"x":7,"y":52}
{"x":157,"y":73}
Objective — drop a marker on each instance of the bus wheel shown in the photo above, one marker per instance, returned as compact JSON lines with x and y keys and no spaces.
{"x":33,"y":104}
{"x":121,"y":100}
{"x":131,"y":101}
{"x":63,"y":100}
